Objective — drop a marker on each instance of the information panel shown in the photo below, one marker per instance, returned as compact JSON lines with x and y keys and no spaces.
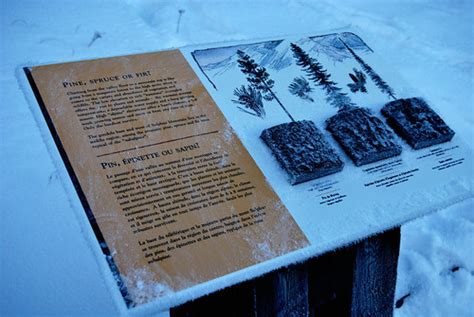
{"x":196,"y":163}
{"x":176,"y":197}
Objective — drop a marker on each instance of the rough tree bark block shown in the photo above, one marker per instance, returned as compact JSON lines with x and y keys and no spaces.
{"x":415,"y":122}
{"x":302,"y":151}
{"x":364,"y":137}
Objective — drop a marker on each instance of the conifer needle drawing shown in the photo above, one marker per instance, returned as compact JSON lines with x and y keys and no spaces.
{"x":412,"y":119}
{"x":378,"y":81}
{"x":316,"y":73}
{"x":362,"y":136}
{"x":359,"y":81}
{"x":251,"y":99}
{"x":300,"y":87}
{"x":259,"y":79}
{"x":299,"y":147}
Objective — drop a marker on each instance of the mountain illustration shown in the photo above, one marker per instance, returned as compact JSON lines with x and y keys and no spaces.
{"x":268,"y":54}
{"x":276,"y":55}
{"x":331,"y":46}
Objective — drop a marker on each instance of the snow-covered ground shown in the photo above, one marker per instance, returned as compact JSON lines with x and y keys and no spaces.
{"x":46,"y":265}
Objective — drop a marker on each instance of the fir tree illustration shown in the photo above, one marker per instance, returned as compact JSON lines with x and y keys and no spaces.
{"x":251,"y":99}
{"x":259,"y":79}
{"x":378,"y":81}
{"x":359,"y":81}
{"x":300,"y":87}
{"x":316,"y":73}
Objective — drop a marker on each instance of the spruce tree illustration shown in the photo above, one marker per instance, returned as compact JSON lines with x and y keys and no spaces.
{"x":378,"y":81}
{"x":316,"y":73}
{"x":359,"y":81}
{"x":300,"y":87}
{"x":251,"y":99}
{"x":258,"y":78}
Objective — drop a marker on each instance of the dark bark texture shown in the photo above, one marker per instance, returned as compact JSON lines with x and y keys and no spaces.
{"x":302,"y":151}
{"x":414,"y":121}
{"x":363,"y":136}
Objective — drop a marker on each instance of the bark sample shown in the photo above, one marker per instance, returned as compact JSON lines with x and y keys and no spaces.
{"x":302,"y":151}
{"x":363,"y":137}
{"x":414,"y":121}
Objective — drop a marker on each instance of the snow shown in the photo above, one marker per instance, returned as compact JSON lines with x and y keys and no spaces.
{"x":48,"y":267}
{"x":436,"y":264}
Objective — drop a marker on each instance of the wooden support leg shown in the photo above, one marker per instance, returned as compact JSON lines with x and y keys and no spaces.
{"x":355,"y":281}
{"x":283,"y":293}
{"x":358,"y":280}
{"x":234,"y":301}
{"x":375,"y":275}
{"x":330,"y":283}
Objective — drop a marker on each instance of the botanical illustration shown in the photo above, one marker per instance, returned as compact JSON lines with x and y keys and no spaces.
{"x":259,"y":79}
{"x":363,"y":136}
{"x":379,"y":82}
{"x":251,"y":99}
{"x":412,"y":118}
{"x":287,"y":88}
{"x":299,"y":146}
{"x":318,"y":75}
{"x":300,"y":87}
{"x":359,"y":81}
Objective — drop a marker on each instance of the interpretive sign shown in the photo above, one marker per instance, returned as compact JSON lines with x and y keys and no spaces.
{"x":175,"y":194}
{"x":195,"y":163}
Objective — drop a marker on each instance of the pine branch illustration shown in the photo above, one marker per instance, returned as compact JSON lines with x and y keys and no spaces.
{"x":300,"y":87}
{"x":359,"y":81}
{"x":259,"y":79}
{"x":379,"y":82}
{"x":248,"y":112}
{"x":251,"y":99}
{"x":316,"y":73}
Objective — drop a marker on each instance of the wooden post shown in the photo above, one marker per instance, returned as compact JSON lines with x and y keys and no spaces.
{"x":355,"y":281}
{"x":283,"y":293}
{"x":234,"y":301}
{"x":375,"y":275}
{"x":330,"y":283}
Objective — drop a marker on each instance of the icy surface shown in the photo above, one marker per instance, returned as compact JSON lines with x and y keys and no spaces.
{"x":47,"y":267}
